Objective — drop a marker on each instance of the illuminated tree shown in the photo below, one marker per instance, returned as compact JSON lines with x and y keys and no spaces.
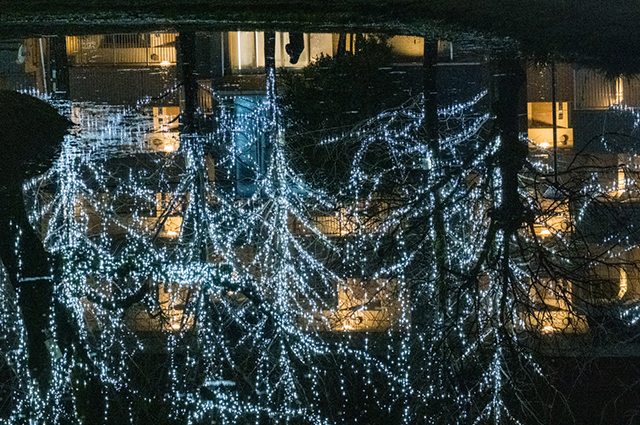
{"x":211,"y":278}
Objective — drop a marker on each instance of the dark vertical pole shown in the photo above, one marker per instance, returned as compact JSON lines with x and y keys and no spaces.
{"x":187,"y":67}
{"x":509,"y":83}
{"x":508,"y":106}
{"x":431,"y":94}
{"x":554,"y":121}
{"x":59,"y":67}
{"x":270,"y":67}
{"x":509,"y":91}
{"x":187,"y":62}
{"x":359,"y":41}
{"x":269,"y":51}
{"x":342,"y":44}
{"x":430,"y":127}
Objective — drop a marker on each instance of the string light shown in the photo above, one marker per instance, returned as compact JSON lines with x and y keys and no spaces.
{"x":245,"y":276}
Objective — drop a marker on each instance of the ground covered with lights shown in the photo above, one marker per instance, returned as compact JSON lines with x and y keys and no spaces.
{"x":304,"y":227}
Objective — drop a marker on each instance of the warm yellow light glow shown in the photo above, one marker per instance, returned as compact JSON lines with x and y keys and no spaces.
{"x":171,"y":227}
{"x":410,"y":46}
{"x":623,"y":283}
{"x":555,"y":220}
{"x":622,"y":184}
{"x":544,"y":127}
{"x":163,"y":142}
{"x":555,"y":315}
{"x":364,"y":305}
{"x":239,"y":52}
{"x":172,"y":299}
{"x":126,"y":49}
{"x":619,"y":90}
{"x":167,"y":215}
{"x":165,"y":136}
{"x":166,"y":119}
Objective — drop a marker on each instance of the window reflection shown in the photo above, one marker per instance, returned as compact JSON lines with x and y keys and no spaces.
{"x":126,"y":93}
